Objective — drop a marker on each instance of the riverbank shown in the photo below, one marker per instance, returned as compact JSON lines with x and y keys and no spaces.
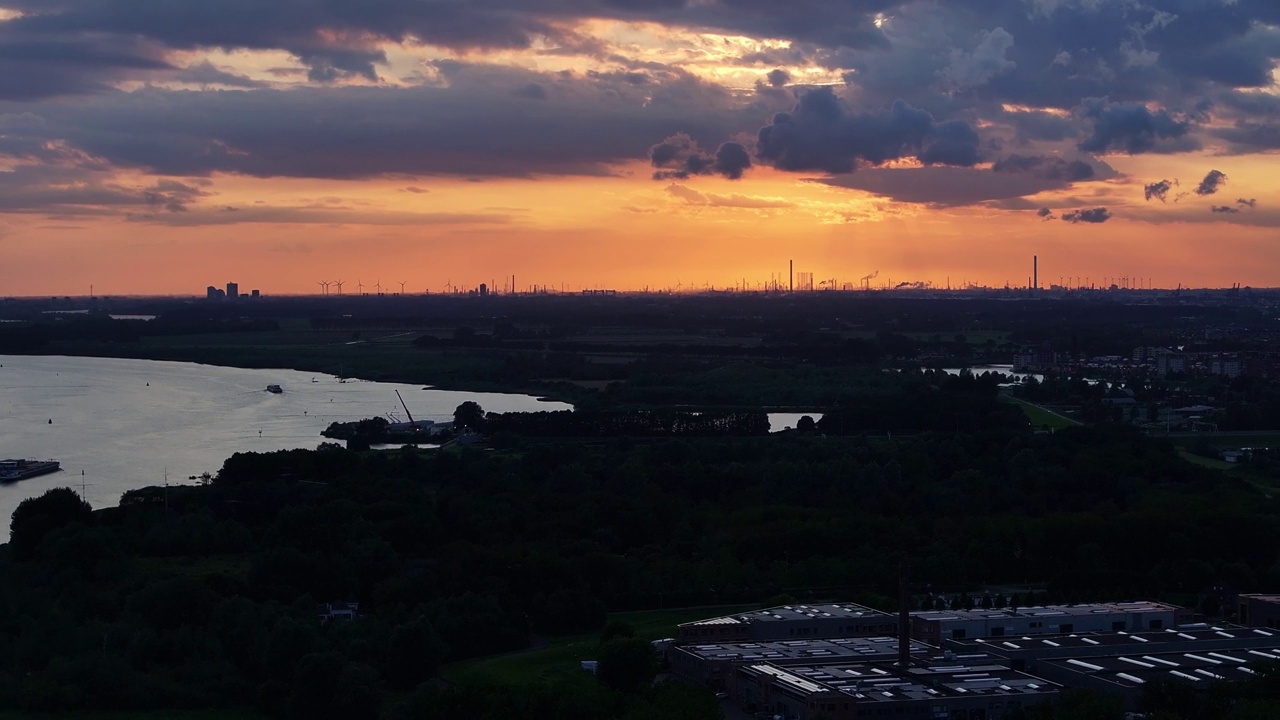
{"x":119,"y":424}
{"x":459,"y":370}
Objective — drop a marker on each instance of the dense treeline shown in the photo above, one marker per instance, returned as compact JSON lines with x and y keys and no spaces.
{"x":634,"y":423}
{"x":933,"y":401}
{"x":96,"y":329}
{"x":207,"y":596}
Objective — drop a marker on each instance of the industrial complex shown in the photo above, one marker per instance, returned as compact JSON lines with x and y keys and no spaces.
{"x":845,"y":661}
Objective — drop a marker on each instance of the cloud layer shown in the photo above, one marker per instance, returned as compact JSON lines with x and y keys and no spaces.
{"x":1043,"y":90}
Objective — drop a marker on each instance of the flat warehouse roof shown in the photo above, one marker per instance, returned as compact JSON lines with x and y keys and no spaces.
{"x":1184,"y":634}
{"x":793,"y":613}
{"x":1132,"y":670}
{"x":885,"y":682}
{"x":813,"y":650}
{"x":1046,"y":611}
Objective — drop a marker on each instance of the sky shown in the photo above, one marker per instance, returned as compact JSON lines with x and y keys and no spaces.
{"x":157,"y":147}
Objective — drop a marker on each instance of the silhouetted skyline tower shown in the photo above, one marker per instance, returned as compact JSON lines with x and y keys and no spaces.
{"x":233,"y":290}
{"x":791,"y":276}
{"x":1035,"y":272}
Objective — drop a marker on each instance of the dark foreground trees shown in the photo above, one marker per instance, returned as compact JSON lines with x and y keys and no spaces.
{"x":35,"y":518}
{"x":213,"y":598}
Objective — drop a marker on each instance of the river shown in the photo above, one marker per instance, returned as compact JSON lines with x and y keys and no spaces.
{"x":118,"y":425}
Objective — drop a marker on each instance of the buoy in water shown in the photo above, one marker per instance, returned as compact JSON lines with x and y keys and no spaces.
{"x":50,"y":421}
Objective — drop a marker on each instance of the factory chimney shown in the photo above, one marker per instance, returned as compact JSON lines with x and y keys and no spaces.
{"x":1035,"y":272}
{"x":904,"y":617}
{"x":791,"y":275}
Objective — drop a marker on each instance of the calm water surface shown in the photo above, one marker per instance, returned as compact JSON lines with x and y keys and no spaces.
{"x":125,"y":423}
{"x":787,"y":421}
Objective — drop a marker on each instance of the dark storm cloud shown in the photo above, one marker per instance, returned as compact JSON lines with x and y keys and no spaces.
{"x":1050,"y":168}
{"x":1036,"y":125}
{"x":475,"y":127}
{"x":1024,"y":51}
{"x":1138,"y":74}
{"x":1129,"y":127}
{"x":174,"y":196}
{"x":1224,"y":209}
{"x":939,"y":186}
{"x":1248,"y":136}
{"x":1045,"y":213}
{"x":533,"y":91}
{"x":1093,"y":216}
{"x":1158,"y":190}
{"x":67,"y":191}
{"x":679,"y":157}
{"x":34,"y":66}
{"x":1211,"y":183}
{"x":339,"y":38}
{"x":206,"y":74}
{"x":819,"y":135}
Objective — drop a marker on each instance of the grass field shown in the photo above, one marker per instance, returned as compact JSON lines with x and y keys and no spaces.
{"x":563,"y":655}
{"x":1040,"y":417}
{"x":1206,"y":462}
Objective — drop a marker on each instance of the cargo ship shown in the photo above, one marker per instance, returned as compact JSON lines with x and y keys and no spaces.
{"x":14,"y":470}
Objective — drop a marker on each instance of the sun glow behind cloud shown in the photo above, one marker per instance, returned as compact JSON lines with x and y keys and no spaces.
{"x":346,"y":148}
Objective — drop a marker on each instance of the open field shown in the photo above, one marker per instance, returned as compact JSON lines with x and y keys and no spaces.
{"x":1041,"y":417}
{"x":563,"y":655}
{"x":1207,"y":462}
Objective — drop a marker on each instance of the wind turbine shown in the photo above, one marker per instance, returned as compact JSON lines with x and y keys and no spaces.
{"x":324,"y":287}
{"x":339,"y":284}
{"x":378,"y":286}
{"x":402,"y":287}
{"x":359,"y":287}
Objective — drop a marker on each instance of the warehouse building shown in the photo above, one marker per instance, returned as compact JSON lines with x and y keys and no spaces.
{"x":960,"y":688}
{"x":1262,"y":611}
{"x":1026,"y":652}
{"x":1126,"y":674}
{"x":934,"y":627}
{"x":790,"y":622}
{"x":715,"y":664}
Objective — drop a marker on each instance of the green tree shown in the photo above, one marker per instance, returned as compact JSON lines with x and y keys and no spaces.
{"x":626,"y":664}
{"x":36,"y":517}
{"x":617,"y":629}
{"x":676,"y":701}
{"x":414,"y":653}
{"x":469,"y":415}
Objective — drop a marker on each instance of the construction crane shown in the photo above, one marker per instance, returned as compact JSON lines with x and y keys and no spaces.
{"x":866,"y":281}
{"x":413,"y":424}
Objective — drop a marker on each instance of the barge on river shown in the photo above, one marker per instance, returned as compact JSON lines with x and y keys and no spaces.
{"x":15,"y":470}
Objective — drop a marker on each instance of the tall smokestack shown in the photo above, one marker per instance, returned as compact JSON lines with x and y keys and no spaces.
{"x":791,"y":275}
{"x":1035,"y":272}
{"x":904,"y":617}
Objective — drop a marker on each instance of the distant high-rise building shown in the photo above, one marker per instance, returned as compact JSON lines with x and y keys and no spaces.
{"x":233,"y":290}
{"x":212,"y":293}
{"x":484,"y":290}
{"x":255,"y":294}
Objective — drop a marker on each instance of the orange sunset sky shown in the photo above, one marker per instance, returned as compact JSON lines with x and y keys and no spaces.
{"x":156,"y":148}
